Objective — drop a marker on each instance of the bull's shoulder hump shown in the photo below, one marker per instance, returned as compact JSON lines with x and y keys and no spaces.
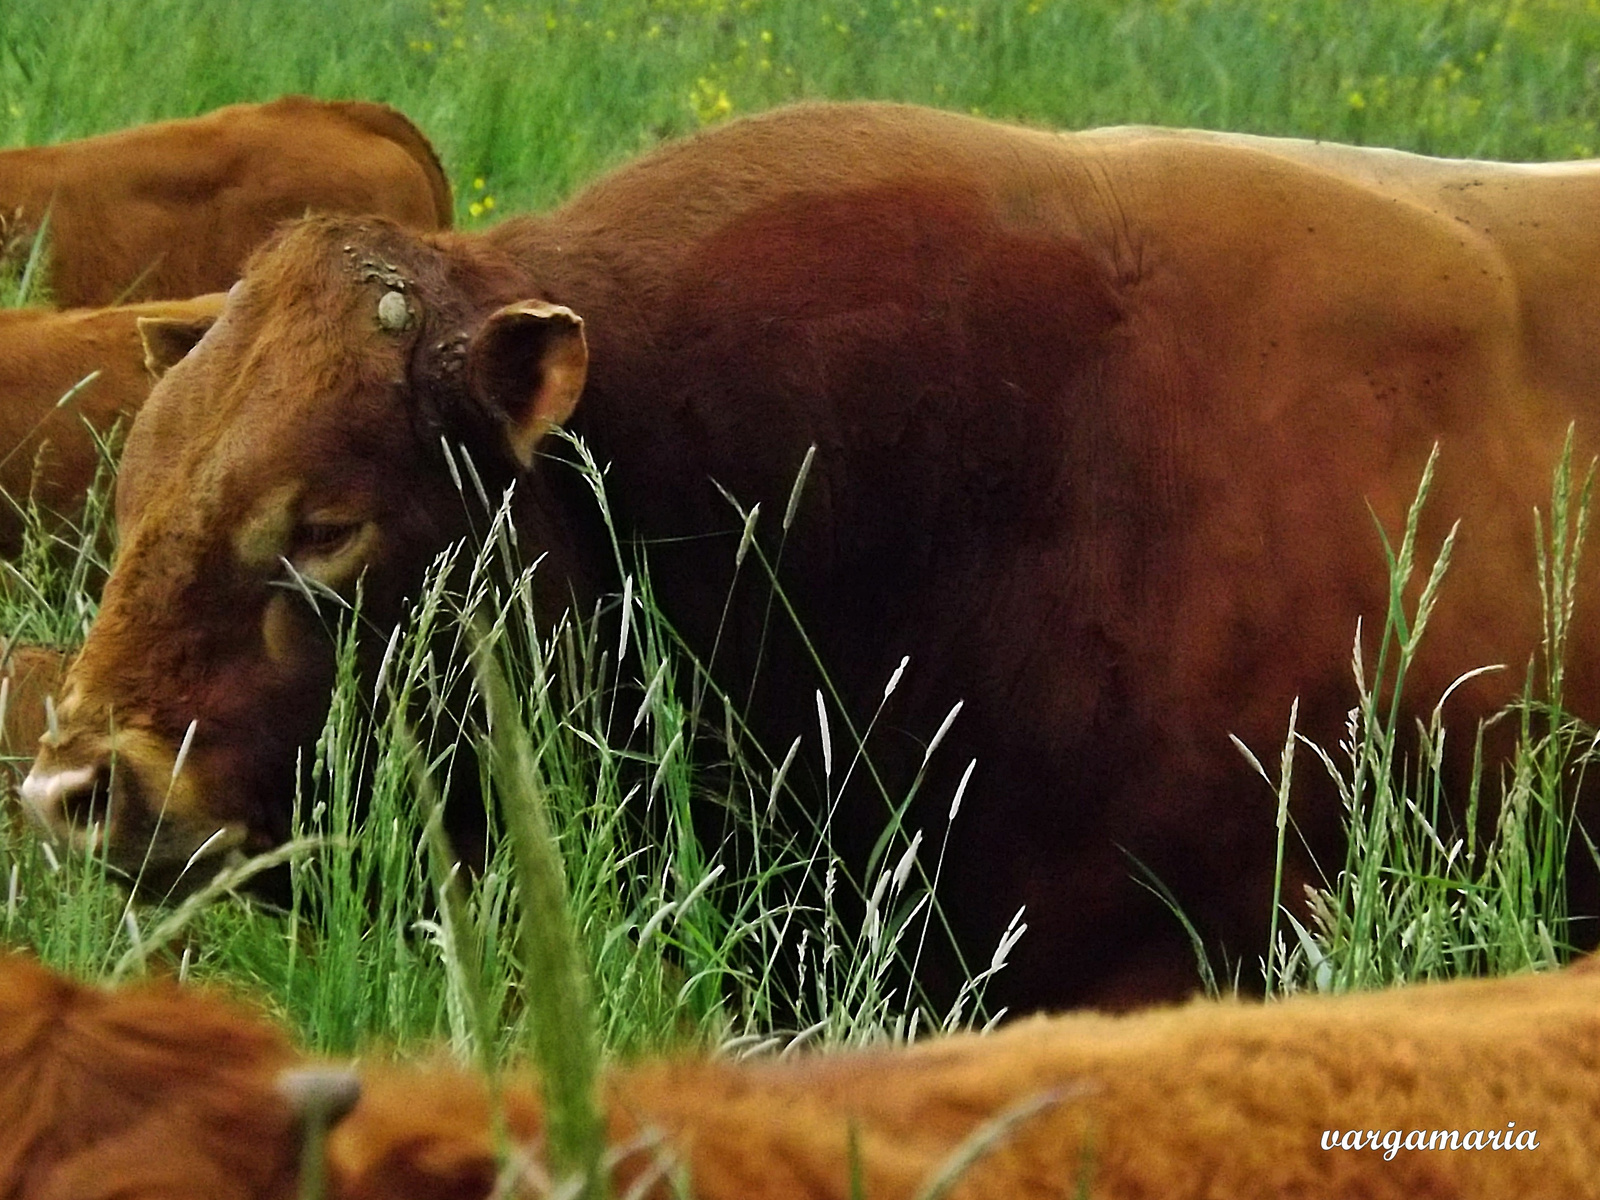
{"x":820,"y":145}
{"x":803,"y":153}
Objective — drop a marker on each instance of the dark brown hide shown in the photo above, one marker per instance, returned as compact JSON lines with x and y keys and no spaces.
{"x":1100,"y":418}
{"x":147,"y":1093}
{"x":47,"y":449}
{"x":172,"y":209}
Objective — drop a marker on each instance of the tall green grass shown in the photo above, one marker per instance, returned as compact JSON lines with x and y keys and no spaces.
{"x":734,"y":943}
{"x":1421,"y":894}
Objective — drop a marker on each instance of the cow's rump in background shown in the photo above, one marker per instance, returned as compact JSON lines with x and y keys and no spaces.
{"x":172,"y":209}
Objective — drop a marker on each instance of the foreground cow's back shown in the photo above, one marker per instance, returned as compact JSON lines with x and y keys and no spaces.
{"x":1206,"y":1100}
{"x":1472,"y":1090}
{"x":172,"y":209}
{"x":49,"y":424}
{"x":1102,"y":422}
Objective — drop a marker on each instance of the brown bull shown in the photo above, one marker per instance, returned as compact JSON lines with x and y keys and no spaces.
{"x":173,"y":209}
{"x":1099,"y":420}
{"x":48,"y":448}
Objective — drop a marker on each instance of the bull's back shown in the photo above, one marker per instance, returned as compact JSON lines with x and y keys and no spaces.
{"x":1198,"y":359}
{"x":1534,"y":223}
{"x":1103,"y":421}
{"x":1312,"y":321}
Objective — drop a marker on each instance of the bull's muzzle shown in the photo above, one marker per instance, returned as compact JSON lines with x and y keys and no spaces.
{"x":124,"y":800}
{"x":63,"y":801}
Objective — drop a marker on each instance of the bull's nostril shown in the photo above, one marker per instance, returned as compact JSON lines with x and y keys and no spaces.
{"x":86,"y":800}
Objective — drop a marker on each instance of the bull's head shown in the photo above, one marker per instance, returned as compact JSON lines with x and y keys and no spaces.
{"x":300,"y":437}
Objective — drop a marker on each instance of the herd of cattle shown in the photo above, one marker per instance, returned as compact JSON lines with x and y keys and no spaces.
{"x":1101,"y":420}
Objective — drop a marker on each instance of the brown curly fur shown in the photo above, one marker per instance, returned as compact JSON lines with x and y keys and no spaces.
{"x":152,"y":1092}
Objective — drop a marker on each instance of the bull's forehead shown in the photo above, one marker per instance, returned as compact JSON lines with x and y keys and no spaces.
{"x":297,"y":385}
{"x":306,"y":347}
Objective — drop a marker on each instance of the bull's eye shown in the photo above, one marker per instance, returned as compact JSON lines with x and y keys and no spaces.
{"x":324,"y":538}
{"x":330,"y":548}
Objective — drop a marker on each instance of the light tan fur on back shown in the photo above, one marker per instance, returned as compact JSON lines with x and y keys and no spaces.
{"x":1203,"y":1100}
{"x":159,"y":1093}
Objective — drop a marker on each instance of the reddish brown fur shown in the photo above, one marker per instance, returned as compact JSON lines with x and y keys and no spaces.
{"x":1205,"y":1100}
{"x":1100,"y":418}
{"x":46,"y":449}
{"x":172,"y":209}
{"x":148,"y":1093}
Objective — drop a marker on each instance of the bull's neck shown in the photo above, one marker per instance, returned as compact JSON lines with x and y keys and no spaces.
{"x":607,"y":280}
{"x":531,"y":258}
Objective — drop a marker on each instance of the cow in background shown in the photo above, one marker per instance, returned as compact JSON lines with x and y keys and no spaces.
{"x":49,"y":450}
{"x":30,"y":675}
{"x":1102,"y":423}
{"x":172,"y":209}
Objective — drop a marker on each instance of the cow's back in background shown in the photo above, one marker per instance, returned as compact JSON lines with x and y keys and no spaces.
{"x":172,"y":209}
{"x":66,"y":380}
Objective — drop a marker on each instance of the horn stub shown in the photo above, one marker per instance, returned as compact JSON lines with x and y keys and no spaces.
{"x":394,"y":314}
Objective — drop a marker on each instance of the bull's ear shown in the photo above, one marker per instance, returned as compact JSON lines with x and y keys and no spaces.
{"x":527,"y":364}
{"x":167,"y":339}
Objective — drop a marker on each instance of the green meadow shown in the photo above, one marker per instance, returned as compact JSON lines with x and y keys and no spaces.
{"x":375,"y":941}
